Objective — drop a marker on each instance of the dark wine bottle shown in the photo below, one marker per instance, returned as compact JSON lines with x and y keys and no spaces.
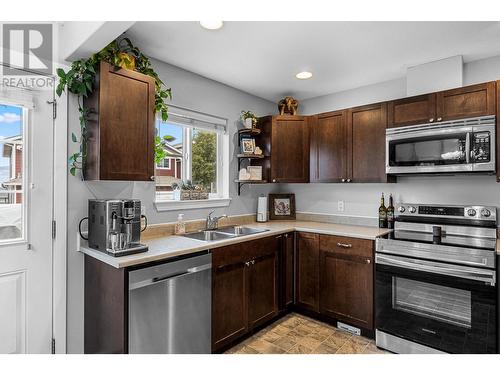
{"x":382,"y":214}
{"x":390,"y":213}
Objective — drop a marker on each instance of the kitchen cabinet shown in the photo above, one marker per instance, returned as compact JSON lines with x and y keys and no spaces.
{"x":244,"y":288}
{"x":346,"y":279}
{"x":121,"y":126}
{"x":415,"y":110}
{"x":328,"y":148}
{"x":498,"y":130}
{"x":287,"y":264}
{"x":366,"y":143}
{"x":470,"y":101}
{"x":307,"y":282}
{"x":286,"y":140}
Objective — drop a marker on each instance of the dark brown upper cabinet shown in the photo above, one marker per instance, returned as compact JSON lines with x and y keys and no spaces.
{"x":498,"y":130}
{"x":366,"y":143}
{"x":286,"y":140}
{"x":328,"y":150}
{"x":121,"y":126}
{"x":470,"y":101}
{"x":411,"y":111}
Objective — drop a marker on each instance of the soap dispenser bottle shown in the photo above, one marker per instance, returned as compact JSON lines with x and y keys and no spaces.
{"x":180,"y":226}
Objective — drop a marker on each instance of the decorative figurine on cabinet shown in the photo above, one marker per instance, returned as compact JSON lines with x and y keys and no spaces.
{"x":288,"y":105}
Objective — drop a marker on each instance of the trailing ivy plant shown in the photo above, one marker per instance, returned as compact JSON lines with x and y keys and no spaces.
{"x":79,"y":80}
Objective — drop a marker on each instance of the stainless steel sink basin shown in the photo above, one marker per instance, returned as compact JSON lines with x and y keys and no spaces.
{"x":208,"y":235}
{"x":223,"y":233}
{"x":241,"y":231}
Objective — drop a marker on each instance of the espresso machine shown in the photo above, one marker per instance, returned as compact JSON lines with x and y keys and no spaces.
{"x":115,"y":226}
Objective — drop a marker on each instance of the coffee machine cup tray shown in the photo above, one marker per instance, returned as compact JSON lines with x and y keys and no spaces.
{"x":134,"y":248}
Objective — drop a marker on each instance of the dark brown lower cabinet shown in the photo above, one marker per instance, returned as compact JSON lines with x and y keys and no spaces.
{"x":245,"y":288}
{"x":346,"y":280}
{"x":229,"y":313}
{"x":307,"y":283}
{"x":287,"y":270}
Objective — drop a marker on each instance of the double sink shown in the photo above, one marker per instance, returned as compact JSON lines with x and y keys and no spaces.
{"x":223,"y":233}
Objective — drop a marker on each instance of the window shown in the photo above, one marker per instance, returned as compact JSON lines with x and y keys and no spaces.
{"x":164,"y":164}
{"x":12,"y":172}
{"x":195,"y":146}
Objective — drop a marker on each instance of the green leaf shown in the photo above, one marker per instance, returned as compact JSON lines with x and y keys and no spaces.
{"x":72,"y":170}
{"x":61,"y":73}
{"x":73,"y":137}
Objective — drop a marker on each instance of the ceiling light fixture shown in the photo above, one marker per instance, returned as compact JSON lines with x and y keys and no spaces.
{"x":304,"y":75}
{"x":211,"y":25}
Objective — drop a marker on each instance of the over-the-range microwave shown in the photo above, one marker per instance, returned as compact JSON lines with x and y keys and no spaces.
{"x":458,"y":146}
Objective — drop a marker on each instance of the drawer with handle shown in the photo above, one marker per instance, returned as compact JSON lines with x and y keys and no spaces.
{"x":346,"y":245}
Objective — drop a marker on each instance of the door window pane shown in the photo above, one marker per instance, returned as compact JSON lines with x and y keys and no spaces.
{"x":11,"y":172}
{"x":450,"y":305}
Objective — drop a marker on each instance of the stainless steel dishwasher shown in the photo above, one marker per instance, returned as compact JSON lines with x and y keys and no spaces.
{"x":170,"y":307}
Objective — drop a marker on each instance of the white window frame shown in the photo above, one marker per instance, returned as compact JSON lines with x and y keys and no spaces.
{"x":221,"y":198}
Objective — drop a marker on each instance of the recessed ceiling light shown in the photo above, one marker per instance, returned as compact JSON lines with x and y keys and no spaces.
{"x":211,"y":25}
{"x":304,"y":75}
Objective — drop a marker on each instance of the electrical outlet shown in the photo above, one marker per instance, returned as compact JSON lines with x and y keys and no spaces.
{"x":340,"y":206}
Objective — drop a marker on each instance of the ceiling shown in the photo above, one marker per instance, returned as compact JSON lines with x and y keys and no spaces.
{"x":262,"y":58}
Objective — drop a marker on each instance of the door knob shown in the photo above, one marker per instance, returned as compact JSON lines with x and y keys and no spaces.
{"x":431,"y":120}
{"x":439,"y":118}
{"x":348,"y":180}
{"x":343,"y":180}
{"x":274,"y":180}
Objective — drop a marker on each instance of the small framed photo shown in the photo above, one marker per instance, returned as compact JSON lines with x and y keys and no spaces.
{"x":255,"y":172}
{"x":282,"y":206}
{"x":247,"y":145}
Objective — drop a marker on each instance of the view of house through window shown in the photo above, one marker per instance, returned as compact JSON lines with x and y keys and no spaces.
{"x":190,"y":161}
{"x":11,"y":172}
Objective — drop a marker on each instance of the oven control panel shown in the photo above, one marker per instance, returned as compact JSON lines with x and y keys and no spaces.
{"x":457,"y":212}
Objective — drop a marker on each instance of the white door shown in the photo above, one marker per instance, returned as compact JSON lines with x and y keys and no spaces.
{"x":26,"y":203}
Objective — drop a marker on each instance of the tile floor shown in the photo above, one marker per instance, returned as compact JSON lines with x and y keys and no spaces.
{"x":297,"y":334}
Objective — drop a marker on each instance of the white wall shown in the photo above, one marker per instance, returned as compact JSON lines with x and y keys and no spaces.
{"x":190,"y":91}
{"x":363,"y":199}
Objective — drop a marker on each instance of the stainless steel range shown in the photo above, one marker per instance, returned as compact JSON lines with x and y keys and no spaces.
{"x":435,"y":285}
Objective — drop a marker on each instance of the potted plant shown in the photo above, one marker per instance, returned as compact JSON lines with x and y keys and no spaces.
{"x":249,"y":119}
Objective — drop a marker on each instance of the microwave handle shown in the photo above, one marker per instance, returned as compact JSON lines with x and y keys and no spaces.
{"x":467,"y":147}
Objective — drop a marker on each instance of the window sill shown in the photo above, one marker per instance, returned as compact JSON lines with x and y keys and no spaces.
{"x":191,"y":205}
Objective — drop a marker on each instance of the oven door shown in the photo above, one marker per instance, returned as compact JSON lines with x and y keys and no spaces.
{"x":442,"y":306}
{"x":429,"y":151}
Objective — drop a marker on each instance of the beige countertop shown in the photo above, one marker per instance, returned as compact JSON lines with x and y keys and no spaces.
{"x":171,"y":246}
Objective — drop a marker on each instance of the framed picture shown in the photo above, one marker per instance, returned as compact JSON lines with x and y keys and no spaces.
{"x":247,"y":145}
{"x":282,"y":206}
{"x":255,"y":172}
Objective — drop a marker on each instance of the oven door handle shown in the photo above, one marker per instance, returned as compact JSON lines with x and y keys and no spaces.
{"x":472,"y":274}
{"x":467,"y":148}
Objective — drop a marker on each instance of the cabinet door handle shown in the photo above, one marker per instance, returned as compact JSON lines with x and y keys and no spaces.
{"x":253,"y":261}
{"x":343,"y":180}
{"x":344,"y":245}
{"x":247,"y":264}
{"x":152,"y":178}
{"x":439,"y":118}
{"x":368,"y":261}
{"x":431,"y":119}
{"x":348,"y":180}
{"x":274,"y":180}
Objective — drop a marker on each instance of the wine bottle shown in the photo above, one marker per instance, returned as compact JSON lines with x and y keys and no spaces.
{"x":382,"y":214}
{"x":390,"y":213}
